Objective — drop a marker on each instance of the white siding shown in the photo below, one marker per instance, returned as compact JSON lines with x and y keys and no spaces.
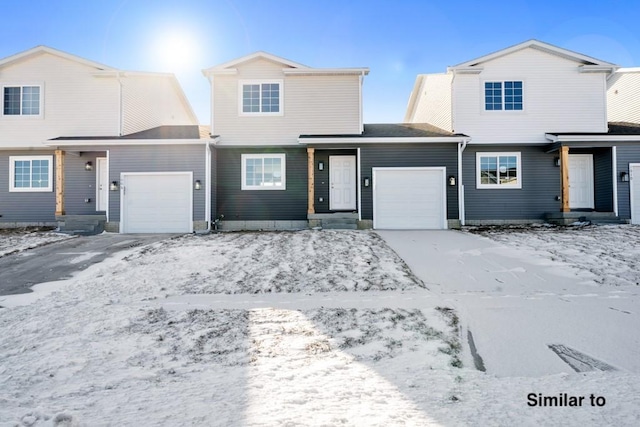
{"x":312,"y":105}
{"x":149,"y":101}
{"x":75,"y":102}
{"x":623,"y":94}
{"x":433,"y":103}
{"x":557,"y":98}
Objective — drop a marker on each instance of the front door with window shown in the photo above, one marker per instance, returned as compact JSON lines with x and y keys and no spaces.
{"x":342,"y":172}
{"x":581,"y":181}
{"x":102,"y":184}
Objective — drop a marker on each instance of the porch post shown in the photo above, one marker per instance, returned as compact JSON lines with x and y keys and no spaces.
{"x":59,"y":165}
{"x":564,"y":174}
{"x":311,"y":183}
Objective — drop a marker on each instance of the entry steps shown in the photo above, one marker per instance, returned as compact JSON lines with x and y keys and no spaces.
{"x":334,"y":221}
{"x":84,"y":225}
{"x":567,"y":218}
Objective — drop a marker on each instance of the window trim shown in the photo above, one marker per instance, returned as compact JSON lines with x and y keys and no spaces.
{"x":483,"y":99}
{"x":243,"y":178}
{"x":12,"y":176}
{"x":498,"y":186}
{"x":242,"y":83}
{"x":21,"y":86}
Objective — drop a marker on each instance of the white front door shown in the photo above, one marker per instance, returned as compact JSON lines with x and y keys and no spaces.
{"x":634,"y":188}
{"x":102,"y":183}
{"x":342,"y":173}
{"x":581,"y":181}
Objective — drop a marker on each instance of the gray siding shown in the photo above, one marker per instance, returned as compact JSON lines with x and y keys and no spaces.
{"x":626,"y":154}
{"x":80,"y":184}
{"x":409,"y":155}
{"x":540,"y":186}
{"x":158,"y":158}
{"x":603,"y":185}
{"x":321,"y":177}
{"x":254,"y":205}
{"x":28,"y":206}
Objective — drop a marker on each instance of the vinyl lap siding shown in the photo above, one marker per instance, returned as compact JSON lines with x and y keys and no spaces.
{"x":312,"y":105}
{"x":434,"y":101}
{"x":622,"y":97}
{"x":160,"y":158}
{"x":626,"y":154}
{"x":27,"y":206}
{"x":321,"y":177}
{"x":557,"y":98}
{"x":80,"y":184}
{"x":409,"y":155}
{"x":540,"y":186}
{"x":75,"y":102}
{"x":256,"y":205}
{"x":603,"y":172}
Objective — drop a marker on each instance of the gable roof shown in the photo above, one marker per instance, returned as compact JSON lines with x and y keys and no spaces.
{"x":585,"y":60}
{"x":39,"y":50}
{"x":289,"y":67}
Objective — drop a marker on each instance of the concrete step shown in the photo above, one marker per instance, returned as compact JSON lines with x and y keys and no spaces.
{"x":339,"y":226}
{"x":81,"y":224}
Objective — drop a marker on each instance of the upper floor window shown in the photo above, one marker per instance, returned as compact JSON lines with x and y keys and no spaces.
{"x":21,"y":101}
{"x":498,"y":170}
{"x":261,"y":97}
{"x":263,"y":172}
{"x":505,"y":95}
{"x":30,"y":173}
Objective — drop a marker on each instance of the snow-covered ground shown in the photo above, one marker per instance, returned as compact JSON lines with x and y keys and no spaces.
{"x":18,"y":240}
{"x":304,"y":328}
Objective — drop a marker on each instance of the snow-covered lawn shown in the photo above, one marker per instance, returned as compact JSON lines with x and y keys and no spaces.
{"x":18,"y":240}
{"x":306,"y":328}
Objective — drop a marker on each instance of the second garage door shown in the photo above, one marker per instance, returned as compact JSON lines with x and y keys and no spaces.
{"x":156,"y":202}
{"x":409,"y":198}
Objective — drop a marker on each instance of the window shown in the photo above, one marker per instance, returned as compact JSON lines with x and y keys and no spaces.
{"x":263,"y":172}
{"x":21,"y":101}
{"x":498,"y":170}
{"x":503,"y":95}
{"x":261,"y":98}
{"x":33,"y":173}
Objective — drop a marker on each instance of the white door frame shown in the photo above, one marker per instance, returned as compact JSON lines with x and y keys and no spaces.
{"x":102,"y":187}
{"x":444,"y":189}
{"x":123,"y":190}
{"x":589,"y":181}
{"x":632,"y":185}
{"x":352,"y":172}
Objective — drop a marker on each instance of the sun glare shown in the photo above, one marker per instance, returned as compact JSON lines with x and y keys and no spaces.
{"x":175,"y":50}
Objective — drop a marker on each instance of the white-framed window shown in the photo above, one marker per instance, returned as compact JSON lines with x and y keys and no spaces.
{"x":498,"y":170}
{"x":261,"y":97}
{"x":264,"y":172}
{"x":30,"y":173}
{"x":21,"y":100}
{"x":503,"y":95}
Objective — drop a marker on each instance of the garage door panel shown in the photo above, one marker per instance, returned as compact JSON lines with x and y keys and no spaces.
{"x":409,"y":198}
{"x":157,"y":203}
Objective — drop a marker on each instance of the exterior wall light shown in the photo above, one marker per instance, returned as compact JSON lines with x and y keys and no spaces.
{"x":452,"y":181}
{"x":113,"y":186}
{"x":624,"y":176}
{"x":556,"y":161}
{"x":88,"y":166}
{"x":320,"y":166}
{"x":197,"y":185}
{"x":366,"y":182}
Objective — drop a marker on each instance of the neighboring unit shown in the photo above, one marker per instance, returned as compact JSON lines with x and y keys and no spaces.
{"x":87,"y":146}
{"x":541,"y":145}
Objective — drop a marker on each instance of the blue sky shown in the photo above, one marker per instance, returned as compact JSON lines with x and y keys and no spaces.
{"x":396,"y":39}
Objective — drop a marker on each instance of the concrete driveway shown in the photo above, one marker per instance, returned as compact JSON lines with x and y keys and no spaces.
{"x":59,"y":260}
{"x":528,"y":316}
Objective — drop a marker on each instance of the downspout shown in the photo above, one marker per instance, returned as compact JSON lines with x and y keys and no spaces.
{"x":207,"y":187}
{"x":211,"y":81}
{"x":121,"y":104}
{"x":461,"y":213}
{"x":361,"y":78}
{"x":614,"y":160}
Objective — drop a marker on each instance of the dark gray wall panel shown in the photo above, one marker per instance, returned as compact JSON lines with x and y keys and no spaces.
{"x":322,"y":176}
{"x":158,"y":158}
{"x":254,"y":205}
{"x":80,"y":184}
{"x":27,"y":206}
{"x":626,"y":154}
{"x":540,"y":186}
{"x":603,"y":185}
{"x":409,"y":155}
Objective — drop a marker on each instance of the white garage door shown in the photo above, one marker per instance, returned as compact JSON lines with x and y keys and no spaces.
{"x":409,"y":198}
{"x":156,"y":202}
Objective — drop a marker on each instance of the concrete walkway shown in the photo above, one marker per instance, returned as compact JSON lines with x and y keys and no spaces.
{"x":517,"y":305}
{"x":59,"y":260}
